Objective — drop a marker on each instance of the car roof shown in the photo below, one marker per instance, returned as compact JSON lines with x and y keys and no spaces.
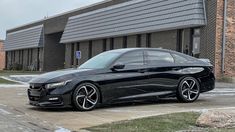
{"x":124,"y":50}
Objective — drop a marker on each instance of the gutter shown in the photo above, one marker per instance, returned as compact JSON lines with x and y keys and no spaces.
{"x":224,"y":36}
{"x":205,"y":12}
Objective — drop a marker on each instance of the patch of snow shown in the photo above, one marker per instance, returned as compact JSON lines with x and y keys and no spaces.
{"x":2,"y":111}
{"x":61,"y":129}
{"x":23,"y":75}
{"x":9,"y":79}
{"x":13,"y":86}
{"x":3,"y":105}
{"x":22,"y":78}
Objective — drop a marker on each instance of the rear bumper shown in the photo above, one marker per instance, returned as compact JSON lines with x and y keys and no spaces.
{"x":207,"y":83}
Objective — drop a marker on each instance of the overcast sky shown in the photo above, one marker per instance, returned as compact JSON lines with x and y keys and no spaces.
{"x":14,"y":13}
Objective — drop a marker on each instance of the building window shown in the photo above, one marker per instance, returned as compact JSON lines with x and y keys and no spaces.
{"x":28,"y":57}
{"x":148,"y":40}
{"x":104,"y":44}
{"x":19,"y":56}
{"x":31,"y":56}
{"x":90,"y":50}
{"x":179,"y":41}
{"x":196,"y":42}
{"x":14,"y":56}
{"x":124,"y":42}
{"x":77,"y":49}
{"x":11,"y":52}
{"x":22,"y":57}
{"x":138,"y":40}
{"x":72,"y":54}
{"x":38,"y":59}
{"x":111,"y":43}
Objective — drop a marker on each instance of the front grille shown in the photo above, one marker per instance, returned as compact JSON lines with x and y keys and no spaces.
{"x":36,"y":86}
{"x":35,"y":92}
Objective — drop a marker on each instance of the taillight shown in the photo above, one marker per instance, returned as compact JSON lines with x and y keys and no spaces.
{"x":212,"y":69}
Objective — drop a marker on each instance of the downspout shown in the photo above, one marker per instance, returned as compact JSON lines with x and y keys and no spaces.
{"x":224,"y":36}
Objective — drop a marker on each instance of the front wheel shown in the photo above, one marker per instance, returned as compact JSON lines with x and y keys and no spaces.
{"x":188,"y":90}
{"x":86,"y":97}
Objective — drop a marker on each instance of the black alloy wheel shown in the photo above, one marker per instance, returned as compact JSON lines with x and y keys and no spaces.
{"x":86,"y":97}
{"x":188,"y":90}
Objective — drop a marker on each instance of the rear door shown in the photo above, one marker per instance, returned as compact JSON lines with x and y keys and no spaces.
{"x":161,"y":67}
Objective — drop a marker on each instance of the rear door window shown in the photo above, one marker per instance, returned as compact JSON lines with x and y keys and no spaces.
{"x":158,"y":58}
{"x":179,"y":59}
{"x":183,"y":59}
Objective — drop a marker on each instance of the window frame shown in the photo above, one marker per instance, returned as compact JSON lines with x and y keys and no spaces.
{"x":114,"y":62}
{"x":190,"y":59}
{"x":146,"y":57}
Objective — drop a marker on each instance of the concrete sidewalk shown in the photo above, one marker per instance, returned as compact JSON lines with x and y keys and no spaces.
{"x":224,"y":85}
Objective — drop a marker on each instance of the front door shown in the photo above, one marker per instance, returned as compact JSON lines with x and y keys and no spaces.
{"x":126,"y":83}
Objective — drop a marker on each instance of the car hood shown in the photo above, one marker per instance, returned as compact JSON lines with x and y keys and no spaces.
{"x":57,"y":76}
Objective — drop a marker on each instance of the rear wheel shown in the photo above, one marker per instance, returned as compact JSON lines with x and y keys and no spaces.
{"x":188,"y":90}
{"x":86,"y":97}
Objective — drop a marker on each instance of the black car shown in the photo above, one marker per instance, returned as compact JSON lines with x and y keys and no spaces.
{"x":124,"y":75}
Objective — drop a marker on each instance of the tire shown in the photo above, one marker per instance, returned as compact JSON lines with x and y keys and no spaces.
{"x":86,"y":97}
{"x":188,"y":90}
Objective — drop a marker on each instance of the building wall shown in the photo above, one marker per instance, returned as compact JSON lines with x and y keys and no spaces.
{"x":208,"y":33}
{"x":54,"y":52}
{"x":166,"y":39}
{"x":25,"y":59}
{"x":230,"y":40}
{"x":2,"y":56}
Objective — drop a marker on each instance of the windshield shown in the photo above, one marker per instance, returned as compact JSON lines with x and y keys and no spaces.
{"x":100,"y":61}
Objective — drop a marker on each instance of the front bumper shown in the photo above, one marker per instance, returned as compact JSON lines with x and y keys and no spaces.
{"x":42,"y":97}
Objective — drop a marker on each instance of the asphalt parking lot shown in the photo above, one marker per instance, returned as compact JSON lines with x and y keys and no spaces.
{"x":16,"y":115}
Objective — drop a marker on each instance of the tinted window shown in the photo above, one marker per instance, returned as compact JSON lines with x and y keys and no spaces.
{"x":158,"y":57}
{"x":132,"y":58}
{"x":179,"y":59}
{"x":100,"y":61}
{"x":184,"y":59}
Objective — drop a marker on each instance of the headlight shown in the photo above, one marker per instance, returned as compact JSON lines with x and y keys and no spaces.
{"x":59,"y":84}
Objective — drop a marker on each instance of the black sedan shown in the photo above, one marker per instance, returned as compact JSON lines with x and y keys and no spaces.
{"x":124,"y":75}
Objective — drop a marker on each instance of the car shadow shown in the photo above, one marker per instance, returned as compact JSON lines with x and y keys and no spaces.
{"x":117,"y":105}
{"x":146,"y":103}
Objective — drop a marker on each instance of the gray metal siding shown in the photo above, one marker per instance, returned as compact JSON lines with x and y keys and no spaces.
{"x":23,"y":39}
{"x":137,"y":16}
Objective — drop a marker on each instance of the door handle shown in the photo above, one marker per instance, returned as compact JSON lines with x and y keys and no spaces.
{"x":176,"y":69}
{"x":142,"y":70}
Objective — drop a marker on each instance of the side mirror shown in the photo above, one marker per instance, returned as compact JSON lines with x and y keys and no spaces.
{"x":118,"y":66}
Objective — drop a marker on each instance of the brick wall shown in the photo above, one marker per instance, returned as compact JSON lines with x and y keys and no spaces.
{"x":230,"y":39}
{"x":2,"y":56}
